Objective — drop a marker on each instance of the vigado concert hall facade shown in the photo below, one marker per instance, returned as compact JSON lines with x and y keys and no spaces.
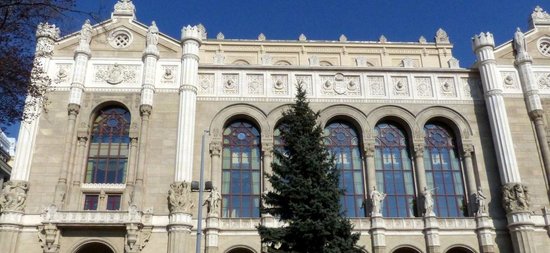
{"x":462,"y":154}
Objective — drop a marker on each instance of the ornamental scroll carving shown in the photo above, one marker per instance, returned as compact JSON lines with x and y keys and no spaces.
{"x":515,"y":197}
{"x":340,"y":85}
{"x":116,"y":74}
{"x":48,"y":236}
{"x":179,"y":197}
{"x":136,"y":238}
{"x":14,"y":196}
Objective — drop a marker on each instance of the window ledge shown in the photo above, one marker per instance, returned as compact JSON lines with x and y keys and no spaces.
{"x":97,"y":186}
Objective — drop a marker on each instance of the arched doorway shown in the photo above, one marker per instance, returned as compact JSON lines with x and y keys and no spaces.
{"x":240,"y":250}
{"x":94,"y":247}
{"x":406,"y":250}
{"x":459,"y":250}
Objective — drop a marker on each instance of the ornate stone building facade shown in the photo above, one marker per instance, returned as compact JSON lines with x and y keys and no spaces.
{"x":433,"y":157}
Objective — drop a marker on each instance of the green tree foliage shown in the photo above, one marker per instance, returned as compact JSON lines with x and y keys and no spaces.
{"x":305,"y":195}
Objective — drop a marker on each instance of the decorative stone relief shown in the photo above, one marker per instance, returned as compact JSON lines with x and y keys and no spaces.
{"x":255,"y":84}
{"x":407,"y":63}
{"x":509,"y":80}
{"x":423,"y":87}
{"x":454,"y":63}
{"x":136,"y":238}
{"x":212,"y":203}
{"x":219,"y":58}
{"x":515,"y":197}
{"x":169,"y":74}
{"x":471,"y":87}
{"x":377,"y":86}
{"x":305,"y":81}
{"x":13,"y":196}
{"x":340,"y":85}
{"x":48,"y":236}
{"x":230,"y":84}
{"x":63,"y":74}
{"x":382,"y":39}
{"x":266,"y":59}
{"x":422,"y":40}
{"x":116,"y":74}
{"x":206,"y":84}
{"x":400,"y":85}
{"x":313,"y":61}
{"x":361,"y":61}
{"x":543,"y":80}
{"x":179,"y":197}
{"x":280,"y":84}
{"x":539,"y":16}
{"x":447,"y":86}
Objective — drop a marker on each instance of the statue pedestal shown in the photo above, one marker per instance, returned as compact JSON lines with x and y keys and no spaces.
{"x":485,"y":231}
{"x":179,"y":233}
{"x":378,"y":233}
{"x":431,"y":233}
{"x":212,"y":231}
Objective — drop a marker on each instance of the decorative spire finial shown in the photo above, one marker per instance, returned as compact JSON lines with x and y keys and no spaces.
{"x":124,"y":8}
{"x":343,"y":38}
{"x":261,"y":37}
{"x":47,"y":30}
{"x":441,"y":36}
{"x":220,"y":36}
{"x":382,"y":39}
{"x":539,"y":17}
{"x":302,"y":37}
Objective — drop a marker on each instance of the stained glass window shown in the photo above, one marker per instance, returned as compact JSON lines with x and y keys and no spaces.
{"x":343,"y":143}
{"x":113,"y":201}
{"x":91,"y":201}
{"x":443,"y":171}
{"x":108,"y":153}
{"x":241,"y":167}
{"x":394,"y":174}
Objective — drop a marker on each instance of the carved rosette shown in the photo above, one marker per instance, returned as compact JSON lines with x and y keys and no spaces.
{"x":515,"y":197}
{"x":14,"y":196}
{"x":48,"y":236}
{"x":179,"y":198}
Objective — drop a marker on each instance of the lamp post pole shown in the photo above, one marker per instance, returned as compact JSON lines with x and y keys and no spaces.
{"x":201,"y":190}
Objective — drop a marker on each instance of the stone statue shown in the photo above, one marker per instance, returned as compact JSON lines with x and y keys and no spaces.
{"x":153,"y":35}
{"x":376,"y":198}
{"x":515,"y":197}
{"x":86,"y":33}
{"x":519,"y":43}
{"x":428,"y":202}
{"x":13,"y":196}
{"x":179,"y":197}
{"x":212,"y":203}
{"x":480,"y":202}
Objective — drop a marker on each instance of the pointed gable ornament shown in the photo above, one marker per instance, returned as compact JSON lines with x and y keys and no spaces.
{"x":261,"y":37}
{"x":539,"y":17}
{"x":382,"y":39}
{"x":343,"y":38}
{"x":220,"y":36}
{"x":202,"y":29}
{"x":125,"y":8}
{"x":302,"y":37}
{"x":422,"y":40}
{"x":441,"y":37}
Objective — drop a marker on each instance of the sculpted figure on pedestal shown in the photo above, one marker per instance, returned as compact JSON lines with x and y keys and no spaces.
{"x":428,"y":202}
{"x":376,"y":198}
{"x":13,"y":196}
{"x":515,"y":197}
{"x":480,"y":202}
{"x":519,"y":42}
{"x":179,"y":197}
{"x":212,"y":203}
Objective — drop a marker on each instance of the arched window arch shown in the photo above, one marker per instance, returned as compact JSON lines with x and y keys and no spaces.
{"x":343,"y":142}
{"x":241,"y":167}
{"x":443,"y":171}
{"x":394,"y":174}
{"x":108,"y":152}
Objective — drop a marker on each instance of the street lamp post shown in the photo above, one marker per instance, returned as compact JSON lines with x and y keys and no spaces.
{"x":199,"y":186}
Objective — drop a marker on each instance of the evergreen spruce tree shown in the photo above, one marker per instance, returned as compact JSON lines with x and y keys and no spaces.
{"x":306,"y":193}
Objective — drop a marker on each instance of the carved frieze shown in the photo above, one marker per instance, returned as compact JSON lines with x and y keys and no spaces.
{"x":340,"y":85}
{"x":543,"y":80}
{"x":306,"y":82}
{"x":509,"y":81}
{"x":230,"y":84}
{"x":424,"y":87}
{"x":447,"y":86}
{"x":255,"y":84}
{"x":400,"y":85}
{"x":179,"y":197}
{"x":63,"y":73}
{"x":206,"y":84}
{"x":13,"y":196}
{"x":515,"y":197}
{"x":377,"y":86}
{"x":116,"y":74}
{"x":279,"y":84}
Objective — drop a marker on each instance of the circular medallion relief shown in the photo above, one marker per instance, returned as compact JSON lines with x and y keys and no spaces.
{"x":120,"y":38}
{"x":544,"y":46}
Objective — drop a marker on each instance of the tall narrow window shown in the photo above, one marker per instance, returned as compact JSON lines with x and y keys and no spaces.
{"x":394,"y":175}
{"x":241,"y":170}
{"x":278,"y":141}
{"x":108,"y":154}
{"x":443,"y":171}
{"x":343,"y":143}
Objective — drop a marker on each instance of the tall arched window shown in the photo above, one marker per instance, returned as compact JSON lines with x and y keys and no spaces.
{"x":443,"y":171}
{"x":343,"y":143}
{"x":394,"y":175}
{"x":241,"y":170}
{"x":108,"y":153}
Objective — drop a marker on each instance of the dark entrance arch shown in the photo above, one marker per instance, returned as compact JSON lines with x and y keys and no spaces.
{"x":406,"y":250}
{"x":94,"y":247}
{"x":240,"y":250}
{"x":459,"y":250}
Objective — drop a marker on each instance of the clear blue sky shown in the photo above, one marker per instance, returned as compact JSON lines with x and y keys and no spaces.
{"x":398,"y":20}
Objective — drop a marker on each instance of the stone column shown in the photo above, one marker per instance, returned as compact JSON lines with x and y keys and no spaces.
{"x":515,"y":198}
{"x":420,"y":175}
{"x":530,"y":89}
{"x":81,"y":56}
{"x":468,"y":150}
{"x":74,"y":196}
{"x":131,"y":178}
{"x":14,"y":192}
{"x":215,"y":162}
{"x":179,"y":227}
{"x":371,"y":167}
{"x":267,"y":150}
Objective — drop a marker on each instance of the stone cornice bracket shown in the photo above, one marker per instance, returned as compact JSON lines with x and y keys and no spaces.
{"x":179,"y":198}
{"x":539,"y":17}
{"x":515,"y":198}
{"x":124,"y":9}
{"x":48,"y":236}
{"x":14,"y":196}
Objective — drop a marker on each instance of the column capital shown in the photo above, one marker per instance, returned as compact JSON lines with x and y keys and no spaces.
{"x":369,"y":149}
{"x":145,"y":110}
{"x":537,"y":114}
{"x":467,"y":150}
{"x":515,"y":198}
{"x":73,"y":109}
{"x":267,"y":149}
{"x":179,"y":197}
{"x":419,"y":150}
{"x":215,"y":148}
